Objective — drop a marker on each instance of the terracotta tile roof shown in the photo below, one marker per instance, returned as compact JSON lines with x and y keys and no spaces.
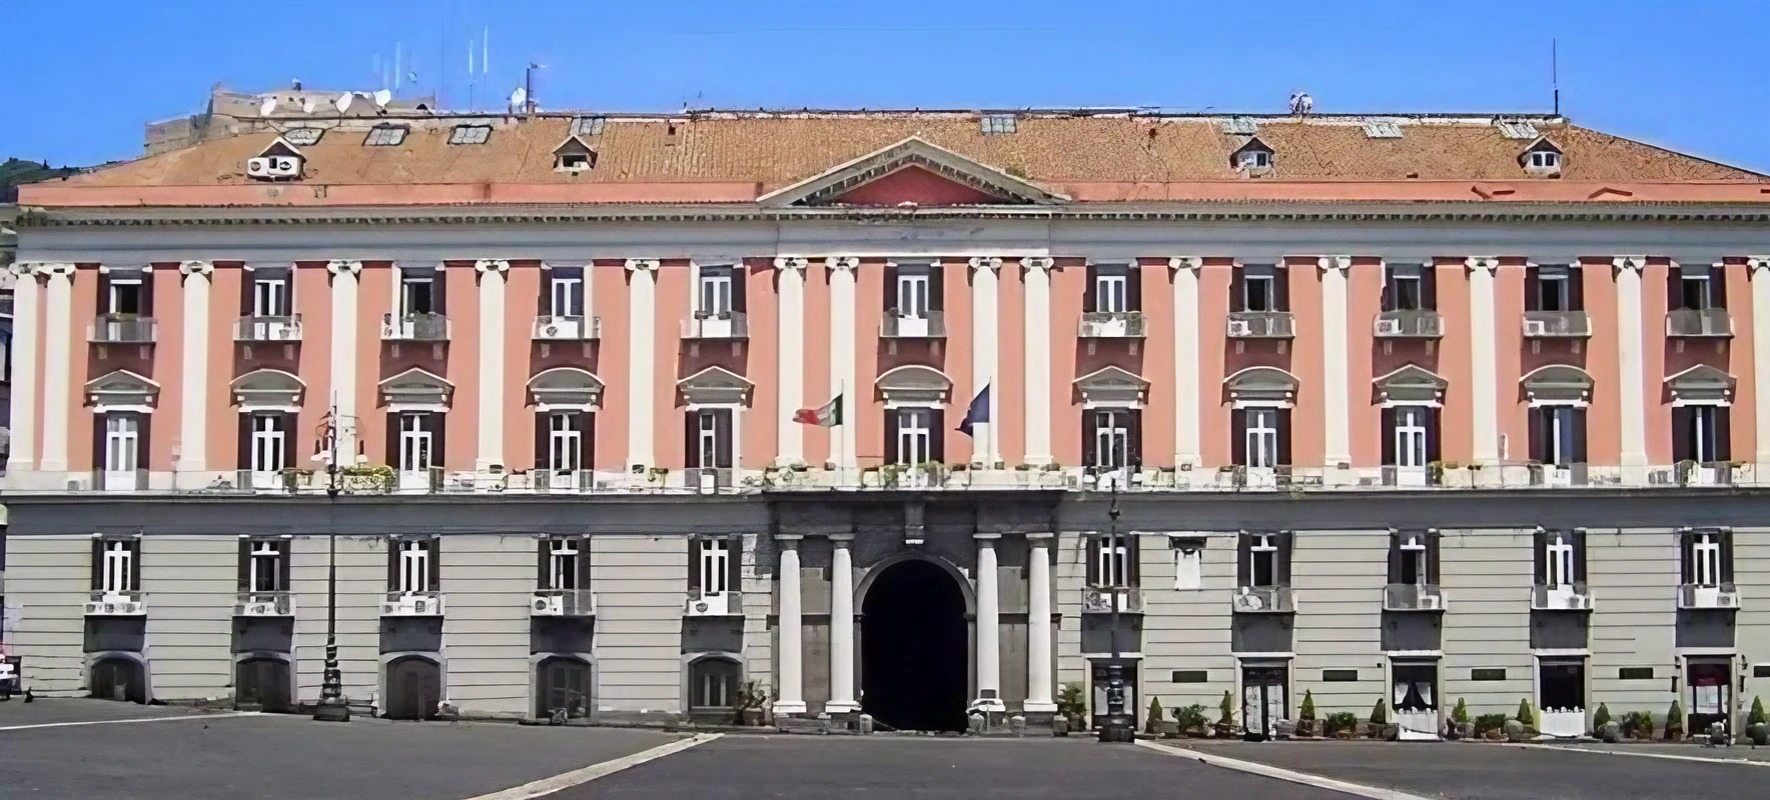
{"x":774,"y":150}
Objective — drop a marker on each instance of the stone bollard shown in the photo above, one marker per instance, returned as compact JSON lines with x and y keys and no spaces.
{"x":1611,"y":733}
{"x":1514,"y":731}
{"x":866,"y":724}
{"x":1017,"y":724}
{"x":1060,"y":725}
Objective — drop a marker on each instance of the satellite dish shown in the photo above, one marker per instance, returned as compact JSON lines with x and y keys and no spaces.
{"x":269,"y":105}
{"x":307,"y":106}
{"x":383,"y":97}
{"x":518,"y":97}
{"x":343,"y":102}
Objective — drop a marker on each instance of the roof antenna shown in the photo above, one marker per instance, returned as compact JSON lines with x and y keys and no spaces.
{"x":1555,"y":74}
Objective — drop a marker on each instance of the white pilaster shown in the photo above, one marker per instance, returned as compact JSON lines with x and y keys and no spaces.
{"x":27,"y":330}
{"x":790,"y":697}
{"x":842,"y":369}
{"x":841,"y":627}
{"x":1485,"y":380}
{"x":642,"y":359}
{"x":58,"y":344}
{"x":989,"y":645}
{"x":492,"y":281}
{"x":345,"y":276}
{"x":1336,"y":377}
{"x":790,"y":338}
{"x":1038,"y":626}
{"x":1759,"y":272}
{"x":1186,"y":390}
{"x":985,"y":450}
{"x":193,"y":416}
{"x":1037,"y":346}
{"x":1631,"y":366}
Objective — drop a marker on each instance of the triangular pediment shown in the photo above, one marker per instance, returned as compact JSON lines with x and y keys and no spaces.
{"x":715,"y":386}
{"x":417,"y":389}
{"x":912,"y":172}
{"x":1111,"y":387}
{"x":1701,"y":385}
{"x":280,"y":147}
{"x":121,"y":388}
{"x":1411,"y":384}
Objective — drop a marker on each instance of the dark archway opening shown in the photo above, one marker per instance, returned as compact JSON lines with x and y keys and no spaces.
{"x":913,"y":649}
{"x":262,"y":683}
{"x":118,"y":679}
{"x":564,"y":685}
{"x":414,"y":687}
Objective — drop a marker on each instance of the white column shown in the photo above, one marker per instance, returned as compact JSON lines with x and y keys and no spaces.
{"x":989,"y":622}
{"x":1038,"y":625}
{"x":1631,"y":368}
{"x":345,"y":275}
{"x":642,"y":360}
{"x":842,"y":369}
{"x":492,"y":280}
{"x":1335,"y":371}
{"x":57,"y":358}
{"x":790,"y":338}
{"x":1187,"y":440}
{"x":985,"y":450}
{"x":1037,"y":274}
{"x":841,"y":627}
{"x":27,"y":328}
{"x":1759,"y":271}
{"x":193,"y":417}
{"x":1485,"y":381}
{"x":790,"y":694}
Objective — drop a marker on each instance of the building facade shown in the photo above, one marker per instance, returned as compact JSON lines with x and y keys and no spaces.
{"x":642,"y":416}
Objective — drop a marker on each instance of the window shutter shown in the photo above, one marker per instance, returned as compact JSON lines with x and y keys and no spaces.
{"x":439,"y":290}
{"x":937,"y":288}
{"x":1538,"y":433}
{"x":583,"y":568}
{"x":393,"y":424}
{"x":1540,"y":547}
{"x":1090,"y":428}
{"x":98,"y":441}
{"x":739,"y":282}
{"x":104,"y":293}
{"x":1281,"y":287}
{"x":393,"y":550}
{"x":722,"y":439}
{"x":544,"y":563}
{"x":1429,"y":286}
{"x":433,"y":422}
{"x":435,"y":547}
{"x":694,"y":564}
{"x":544,"y":297}
{"x":284,"y":565}
{"x":1674,"y":289}
{"x":1132,"y":559}
{"x":243,"y":575}
{"x":1726,"y":540}
{"x":890,"y":290}
{"x":1579,"y":436}
{"x":1244,"y":559}
{"x":1681,"y":434}
{"x":587,"y":459}
{"x":1093,"y":566}
{"x":1395,"y":557}
{"x":734,"y":564}
{"x":1687,"y":556}
{"x":245,"y":429}
{"x":247,"y":286}
{"x":1284,"y":437}
{"x":1238,"y":289}
{"x":1134,"y":439}
{"x":891,"y":432}
{"x":1238,"y":436}
{"x":1287,"y":549}
{"x":1533,"y":281}
{"x":937,"y":436}
{"x":691,"y":436}
{"x":1091,"y":289}
{"x":1388,"y":433}
{"x":1432,"y":558}
{"x":1134,"y":287}
{"x":97,"y":571}
{"x":1723,"y":434}
{"x":1579,"y":554}
{"x":543,"y":438}
{"x":1576,"y":287}
{"x":147,"y":293}
{"x":286,"y":423}
{"x":1388,"y":301}
{"x":135,"y":563}
{"x":144,"y":444}
{"x":1718,"y":286}
{"x":1434,"y":445}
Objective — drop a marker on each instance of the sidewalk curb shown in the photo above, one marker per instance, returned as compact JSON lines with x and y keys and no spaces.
{"x":1279,"y":773}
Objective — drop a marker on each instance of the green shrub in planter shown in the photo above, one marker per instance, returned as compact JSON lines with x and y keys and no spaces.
{"x":1341,"y":722}
{"x":1380,"y":714}
{"x":1153,"y":720}
{"x":1526,"y":715}
{"x":1307,"y":713}
{"x":1601,"y":717}
{"x":1488,"y":723}
{"x":1757,"y":717}
{"x":1638,"y":724}
{"x":1226,"y":710}
{"x":1675,"y":721}
{"x":1460,"y":714}
{"x":1191,"y":719}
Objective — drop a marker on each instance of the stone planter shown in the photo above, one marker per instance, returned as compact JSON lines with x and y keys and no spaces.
{"x":1759,"y":734}
{"x":1392,"y":732}
{"x":1308,"y":727}
{"x":1060,"y":726}
{"x":752,"y":717}
{"x":1611,"y":733}
{"x":1169,"y":729}
{"x":1286,"y":729}
{"x":1223,"y":730}
{"x":1514,"y":731}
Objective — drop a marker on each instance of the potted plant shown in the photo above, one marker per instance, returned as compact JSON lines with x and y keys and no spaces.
{"x":1071,"y":705}
{"x":1307,"y":725}
{"x":1526,"y":716}
{"x":1638,"y":725}
{"x":1490,"y":726}
{"x":1603,"y":727}
{"x":1459,"y":718}
{"x":1757,"y":725}
{"x":1379,"y":726}
{"x":1152,"y":719}
{"x":1342,"y":724}
{"x":1190,"y":720}
{"x":1226,"y":717}
{"x":1675,"y":722}
{"x":752,"y":699}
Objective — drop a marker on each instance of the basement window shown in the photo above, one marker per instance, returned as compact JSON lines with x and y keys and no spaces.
{"x":470,"y":134}
{"x":302,"y":137}
{"x":998,"y":124}
{"x":386,"y":136}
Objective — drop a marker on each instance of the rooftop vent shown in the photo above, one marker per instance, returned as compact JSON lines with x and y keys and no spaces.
{"x":470,"y":134}
{"x":385,"y":136}
{"x":1240,"y":126}
{"x":302,"y":137}
{"x":588,"y":126}
{"x":1518,"y":130}
{"x":998,"y":123}
{"x":1382,"y":129}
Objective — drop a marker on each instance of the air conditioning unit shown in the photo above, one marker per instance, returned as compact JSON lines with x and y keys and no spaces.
{"x":1431,"y":602}
{"x":1096,"y":601}
{"x":1241,"y":327}
{"x":1250,"y":602}
{"x":1726,"y":600}
{"x":549,"y":606}
{"x":1536,"y":327}
{"x":1388,"y":327}
{"x":274,"y":167}
{"x":550,"y":331}
{"x":712,"y":604}
{"x":410,"y":606}
{"x":115,"y":606}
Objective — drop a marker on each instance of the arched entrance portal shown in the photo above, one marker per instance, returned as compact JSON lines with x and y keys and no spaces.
{"x":117,"y":678}
{"x":563,"y":683}
{"x":414,"y":687}
{"x":264,"y":683}
{"x":914,"y":666}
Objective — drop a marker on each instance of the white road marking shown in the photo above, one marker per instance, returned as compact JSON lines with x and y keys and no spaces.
{"x":1268,"y":771}
{"x":1627,"y":752}
{"x":567,"y":780}
{"x":221,"y":715}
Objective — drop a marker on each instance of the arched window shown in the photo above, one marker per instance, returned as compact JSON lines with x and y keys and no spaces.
{"x":713,"y":685}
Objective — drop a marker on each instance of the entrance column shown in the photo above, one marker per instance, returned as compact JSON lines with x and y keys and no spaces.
{"x":791,"y":698}
{"x":1038,"y":626}
{"x":841,"y":627}
{"x":989,"y":648}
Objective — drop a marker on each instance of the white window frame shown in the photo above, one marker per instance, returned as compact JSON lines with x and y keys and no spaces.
{"x":1112,"y":437}
{"x":1706,"y":300}
{"x":1705,"y":444}
{"x":707,"y":436}
{"x":1401,"y":285}
{"x":914,"y":293}
{"x":117,"y":566}
{"x":1562,"y":432}
{"x":1270,"y":296}
{"x":270,"y":296}
{"x":1545,"y":159}
{"x":1563,"y":290}
{"x":1413,"y":550}
{"x":1705,"y":551}
{"x":1410,"y":436}
{"x":414,"y":566}
{"x":1113,"y":562}
{"x":1261,"y":437}
{"x":1263,"y":546}
{"x":915,"y":436}
{"x":564,"y":296}
{"x":122,"y":443}
{"x":1558,"y":562}
{"x":713,"y":297}
{"x":715,"y":554}
{"x":270,"y":443}
{"x":1256,"y":159}
{"x":1112,"y":291}
{"x":565,"y":441}
{"x":117,"y":285}
{"x":417,"y":447}
{"x":407,"y":292}
{"x":264,"y":566}
{"x":562,"y":564}
{"x":715,"y":687}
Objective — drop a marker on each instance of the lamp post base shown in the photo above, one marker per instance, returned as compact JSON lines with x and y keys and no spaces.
{"x":1118,"y":729}
{"x":331,"y":710}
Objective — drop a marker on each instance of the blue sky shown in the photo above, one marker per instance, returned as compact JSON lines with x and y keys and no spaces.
{"x":1688,"y":75}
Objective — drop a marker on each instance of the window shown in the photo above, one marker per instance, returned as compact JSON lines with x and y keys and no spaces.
{"x":1112,"y":438}
{"x":998,"y":124}
{"x":1112,"y":291}
{"x":1545,"y":159}
{"x":470,"y":134}
{"x":563,"y":563}
{"x":116,"y":565}
{"x":122,"y":441}
{"x":565,"y":292}
{"x":1693,"y":291}
{"x":269,"y":449}
{"x":1112,"y":560}
{"x":1339,"y":676}
{"x":1708,"y":558}
{"x":1260,"y":437}
{"x":1409,"y":432}
{"x":1558,"y":435}
{"x":1700,"y":434}
{"x":710,"y":438}
{"x":1190,"y":676}
{"x":1255,"y":159}
{"x":416,"y":442}
{"x":1264,"y":556}
{"x":1413,"y":559}
{"x":414,"y":566}
{"x":1561,"y":558}
{"x":1406,"y":288}
{"x":1487,"y":674}
{"x":914,"y":435}
{"x":573,"y":161}
{"x":385,"y":136}
{"x":1554,"y":290}
{"x":265,"y":564}
{"x":270,"y":295}
{"x":913,"y":293}
{"x":126,"y":295}
{"x":588,"y":126}
{"x":418,"y":293}
{"x":713,"y":684}
{"x":565,"y":441}
{"x":1634,"y":673}
{"x":1259,"y":292}
{"x":715,"y":292}
{"x":713,"y":565}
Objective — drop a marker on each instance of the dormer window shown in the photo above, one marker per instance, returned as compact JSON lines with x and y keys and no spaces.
{"x":470,"y":134}
{"x":574,"y":161}
{"x":1252,"y":158}
{"x":1542,"y":158}
{"x":278,"y":162}
{"x":573,"y":156}
{"x":1256,"y":159}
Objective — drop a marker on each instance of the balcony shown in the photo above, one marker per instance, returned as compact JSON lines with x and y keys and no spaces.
{"x":931,"y":325}
{"x":567,"y":329}
{"x":101,"y":603}
{"x":1696,"y":597}
{"x":1111,"y":325}
{"x":133,"y":480}
{"x":1100,"y":599}
{"x":1557,"y":475}
{"x":122,"y":329}
{"x":1414,"y":323}
{"x":1413,"y":597}
{"x":264,"y":604}
{"x":412,"y":604}
{"x":267,"y":329}
{"x":563,"y":603}
{"x":1699,"y":323}
{"x":284,"y":481}
{"x":1557,"y":325}
{"x":427,"y":327}
{"x":714,"y":604}
{"x":720,"y":325}
{"x":1262,"y":325}
{"x":1264,"y":600}
{"x":1566,"y":597}
{"x":563,"y":480}
{"x":709,"y":480}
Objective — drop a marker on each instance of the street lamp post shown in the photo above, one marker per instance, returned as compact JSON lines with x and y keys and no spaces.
{"x":1118,"y":727}
{"x":332,"y":707}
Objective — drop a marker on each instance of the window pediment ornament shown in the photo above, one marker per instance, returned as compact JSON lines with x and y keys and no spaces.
{"x":715,"y":386}
{"x":1112,"y":387}
{"x":1701,"y":385}
{"x":1411,"y":385}
{"x":416,"y":390}
{"x":914,"y":386}
{"x":268,"y":390}
{"x":122,"y":390}
{"x":565,"y":389}
{"x":1557,"y":385}
{"x":910,"y":152}
{"x":1261,"y":386}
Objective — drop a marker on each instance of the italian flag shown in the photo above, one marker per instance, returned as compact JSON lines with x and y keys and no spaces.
{"x":828,"y":415}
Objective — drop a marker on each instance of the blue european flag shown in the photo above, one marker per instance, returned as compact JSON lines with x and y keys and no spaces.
{"x":978,"y":412}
